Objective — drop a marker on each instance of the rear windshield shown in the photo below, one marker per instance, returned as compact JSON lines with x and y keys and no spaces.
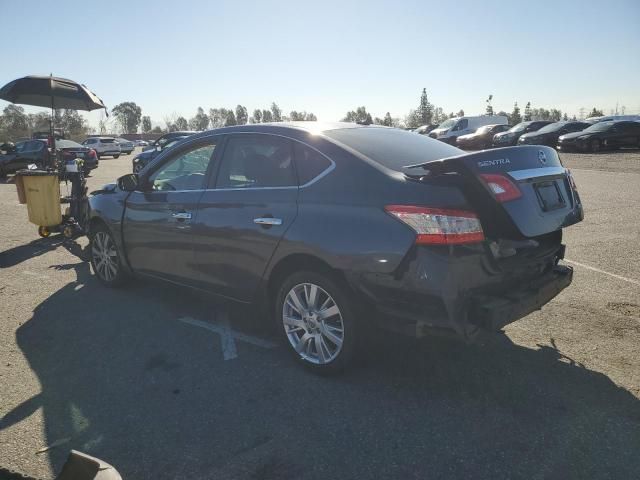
{"x":67,"y":144}
{"x":392,"y":147}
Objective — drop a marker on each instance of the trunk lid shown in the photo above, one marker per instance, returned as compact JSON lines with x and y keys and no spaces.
{"x":548,"y":202}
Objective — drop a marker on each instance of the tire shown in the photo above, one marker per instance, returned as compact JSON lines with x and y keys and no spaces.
{"x":106,"y":260}
{"x":116,"y":156}
{"x":595,"y":146}
{"x":323,"y":345}
{"x":97,"y":155}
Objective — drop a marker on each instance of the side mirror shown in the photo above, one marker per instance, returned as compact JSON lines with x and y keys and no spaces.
{"x":129,"y":182}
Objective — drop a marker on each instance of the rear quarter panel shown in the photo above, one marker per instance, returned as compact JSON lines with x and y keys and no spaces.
{"x":341,"y":217}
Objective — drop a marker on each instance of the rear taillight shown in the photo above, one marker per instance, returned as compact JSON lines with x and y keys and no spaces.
{"x":439,"y":226}
{"x":502,"y":188}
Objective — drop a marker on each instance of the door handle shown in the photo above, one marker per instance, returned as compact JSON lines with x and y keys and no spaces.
{"x":181,"y":215}
{"x":267,"y":221}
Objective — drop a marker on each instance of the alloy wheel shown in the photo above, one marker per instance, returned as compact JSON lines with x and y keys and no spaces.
{"x":313,"y":323}
{"x":105,"y":256}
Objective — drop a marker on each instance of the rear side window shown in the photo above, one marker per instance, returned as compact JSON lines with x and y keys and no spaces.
{"x":392,"y":147}
{"x":256,"y":161}
{"x":107,"y":140}
{"x":309,"y":163}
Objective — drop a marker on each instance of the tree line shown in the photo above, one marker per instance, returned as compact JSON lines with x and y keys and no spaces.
{"x":127,"y":117}
{"x":427,"y":113}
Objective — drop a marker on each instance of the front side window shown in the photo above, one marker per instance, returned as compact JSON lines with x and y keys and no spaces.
{"x":256,"y":161}
{"x":185,"y":171}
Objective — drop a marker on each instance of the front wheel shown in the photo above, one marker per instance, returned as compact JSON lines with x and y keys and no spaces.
{"x":317,"y":321}
{"x":116,"y":156}
{"x":105,"y":258}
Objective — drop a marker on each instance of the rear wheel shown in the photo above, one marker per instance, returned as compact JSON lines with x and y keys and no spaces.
{"x":105,"y":258}
{"x":595,"y":146}
{"x":317,"y":320}
{"x":116,"y":156}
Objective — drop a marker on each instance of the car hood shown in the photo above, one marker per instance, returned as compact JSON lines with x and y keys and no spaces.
{"x":534,"y":135}
{"x":146,"y":155}
{"x":574,"y":135}
{"x":468,"y":136}
{"x":108,"y":188}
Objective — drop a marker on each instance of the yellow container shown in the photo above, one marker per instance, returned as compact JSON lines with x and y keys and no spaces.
{"x":42,"y":190}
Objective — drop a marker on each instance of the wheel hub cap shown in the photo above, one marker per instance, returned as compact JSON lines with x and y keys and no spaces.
{"x":313,"y":323}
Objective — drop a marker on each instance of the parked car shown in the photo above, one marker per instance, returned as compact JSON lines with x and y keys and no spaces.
{"x":549,"y":134}
{"x":104,"y":146}
{"x":449,"y":130}
{"x":481,"y":138}
{"x":37,"y":152}
{"x":425,"y":129}
{"x":126,"y":146}
{"x":144,"y":158}
{"x":283,"y":217}
{"x":160,"y":142}
{"x":141,"y":143}
{"x":511,"y":136}
{"x":22,"y":154}
{"x":71,"y":150}
{"x":613,"y":118}
{"x":602,"y":136}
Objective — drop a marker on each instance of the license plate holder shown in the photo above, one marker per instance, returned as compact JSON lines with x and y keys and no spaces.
{"x":549,"y":196}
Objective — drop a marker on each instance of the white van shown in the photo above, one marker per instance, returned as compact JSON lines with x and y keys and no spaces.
{"x":452,"y":128}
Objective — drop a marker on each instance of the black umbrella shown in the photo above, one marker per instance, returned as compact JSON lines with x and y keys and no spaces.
{"x":51,"y":92}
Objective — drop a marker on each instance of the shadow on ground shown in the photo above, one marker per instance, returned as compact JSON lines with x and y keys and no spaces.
{"x":123,"y":380}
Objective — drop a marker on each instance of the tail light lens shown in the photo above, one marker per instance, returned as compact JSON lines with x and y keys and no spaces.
{"x":501,"y":186}
{"x":437,"y":226}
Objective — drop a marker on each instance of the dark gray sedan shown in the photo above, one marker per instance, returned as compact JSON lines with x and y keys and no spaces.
{"x":334,"y":229}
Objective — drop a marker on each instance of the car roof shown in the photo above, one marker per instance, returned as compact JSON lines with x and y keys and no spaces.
{"x":274,"y":127}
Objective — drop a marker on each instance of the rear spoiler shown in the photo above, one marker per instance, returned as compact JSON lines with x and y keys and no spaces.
{"x":489,"y":161}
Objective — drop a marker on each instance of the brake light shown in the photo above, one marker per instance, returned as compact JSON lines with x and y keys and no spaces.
{"x":439,"y":226}
{"x":502,"y":188}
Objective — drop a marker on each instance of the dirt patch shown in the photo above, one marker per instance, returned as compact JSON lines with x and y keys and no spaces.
{"x":626,"y":309}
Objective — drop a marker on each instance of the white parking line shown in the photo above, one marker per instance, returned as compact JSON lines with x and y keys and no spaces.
{"x":588,"y":267}
{"x":227,"y":335}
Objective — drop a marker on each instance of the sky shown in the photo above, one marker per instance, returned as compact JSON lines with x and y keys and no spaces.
{"x":329,"y":57}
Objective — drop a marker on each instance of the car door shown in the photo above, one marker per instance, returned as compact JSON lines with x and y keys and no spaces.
{"x":158,"y":219}
{"x":242,"y":218}
{"x":626,"y":134}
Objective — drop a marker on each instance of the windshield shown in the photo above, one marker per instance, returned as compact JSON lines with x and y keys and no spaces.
{"x":485,"y":129}
{"x":599,"y":127}
{"x":552,"y":127}
{"x":520,"y":127}
{"x":448,"y":123}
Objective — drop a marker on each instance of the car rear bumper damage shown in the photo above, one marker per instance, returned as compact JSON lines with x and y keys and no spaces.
{"x":461,"y":295}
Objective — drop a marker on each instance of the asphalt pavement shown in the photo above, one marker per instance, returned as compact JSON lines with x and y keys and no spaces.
{"x":165,"y":383}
